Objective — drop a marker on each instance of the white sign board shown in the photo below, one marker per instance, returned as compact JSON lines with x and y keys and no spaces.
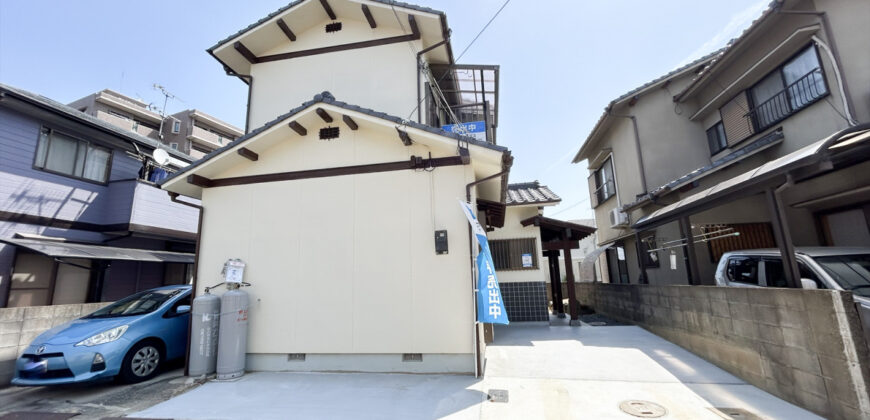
{"x":673,"y":261}
{"x":527,"y":260}
{"x":234,"y":271}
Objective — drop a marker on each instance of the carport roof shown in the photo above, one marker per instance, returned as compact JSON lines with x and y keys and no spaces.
{"x":98,"y":252}
{"x":752,"y":180}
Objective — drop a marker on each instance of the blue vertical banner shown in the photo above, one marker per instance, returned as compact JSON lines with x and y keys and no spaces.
{"x":490,"y":307}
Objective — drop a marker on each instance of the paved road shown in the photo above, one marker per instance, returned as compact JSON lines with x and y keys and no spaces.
{"x":95,"y":401}
{"x":556,"y":372}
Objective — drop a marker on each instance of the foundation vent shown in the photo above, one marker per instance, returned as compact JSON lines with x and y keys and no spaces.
{"x":296,"y":357}
{"x":333,"y":27}
{"x":412,"y":357}
{"x":328,"y":133}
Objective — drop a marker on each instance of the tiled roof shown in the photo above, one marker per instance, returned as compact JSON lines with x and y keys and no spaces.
{"x":73,"y":113}
{"x":297,"y":2}
{"x":771,"y":8}
{"x":327,"y":98}
{"x":530,"y":193}
{"x":637,"y":90}
{"x":766,"y":140}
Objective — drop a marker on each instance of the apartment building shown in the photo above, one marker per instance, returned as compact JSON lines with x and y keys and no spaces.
{"x":80,"y":218}
{"x":759,"y":145}
{"x":196,"y":133}
{"x":191,"y":132}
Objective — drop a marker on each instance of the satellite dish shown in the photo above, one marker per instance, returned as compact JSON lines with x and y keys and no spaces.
{"x":160,"y":156}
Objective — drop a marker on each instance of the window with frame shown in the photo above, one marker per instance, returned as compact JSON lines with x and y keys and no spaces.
{"x":602,"y":184}
{"x":716,"y":138}
{"x":173,"y":146}
{"x":514,"y":254}
{"x":65,"y":155}
{"x":176,"y":127}
{"x":796,"y":84}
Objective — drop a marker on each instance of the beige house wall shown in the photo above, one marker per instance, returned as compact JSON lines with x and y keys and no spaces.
{"x":381,"y":78}
{"x":346,"y":265}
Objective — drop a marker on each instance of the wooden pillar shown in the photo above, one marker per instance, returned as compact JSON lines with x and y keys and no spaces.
{"x":782,"y":233}
{"x":556,"y":282}
{"x":573,"y":305}
{"x":689,"y":250}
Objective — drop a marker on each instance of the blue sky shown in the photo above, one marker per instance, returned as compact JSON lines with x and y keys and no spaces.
{"x":561,"y":61}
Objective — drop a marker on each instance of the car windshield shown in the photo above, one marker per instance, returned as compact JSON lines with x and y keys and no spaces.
{"x":137,"y":304}
{"x":852,"y":272}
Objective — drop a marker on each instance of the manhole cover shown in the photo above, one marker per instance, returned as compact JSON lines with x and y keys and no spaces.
{"x":639,"y":408}
{"x":597,"y":323}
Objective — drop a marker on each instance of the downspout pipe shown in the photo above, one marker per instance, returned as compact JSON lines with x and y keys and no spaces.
{"x":504,"y":173}
{"x":833,"y":54}
{"x":250,"y":82}
{"x":174,"y":198}
{"x":640,"y":166}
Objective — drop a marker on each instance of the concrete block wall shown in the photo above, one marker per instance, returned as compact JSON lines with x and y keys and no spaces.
{"x":804,"y":346}
{"x":19,"y":326}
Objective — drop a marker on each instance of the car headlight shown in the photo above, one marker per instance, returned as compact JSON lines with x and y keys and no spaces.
{"x":104,"y":337}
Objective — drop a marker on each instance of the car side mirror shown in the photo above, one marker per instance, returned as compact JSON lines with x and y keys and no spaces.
{"x":182,"y":309}
{"x":809,"y":284}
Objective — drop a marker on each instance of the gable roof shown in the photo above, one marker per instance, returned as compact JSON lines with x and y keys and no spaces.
{"x":530,"y":193}
{"x":728,"y":49}
{"x":327,"y":98}
{"x":286,"y":10}
{"x":639,"y":91}
{"x":72,"y":113}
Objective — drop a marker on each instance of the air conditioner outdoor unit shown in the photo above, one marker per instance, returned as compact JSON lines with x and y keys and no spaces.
{"x":618,"y":218}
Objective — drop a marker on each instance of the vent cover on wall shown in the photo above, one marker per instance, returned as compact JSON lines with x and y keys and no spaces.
{"x":333,"y":27}
{"x":328,"y":133}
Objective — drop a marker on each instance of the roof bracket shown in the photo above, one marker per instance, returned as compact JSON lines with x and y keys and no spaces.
{"x":369,"y":17}
{"x":403,"y":135}
{"x":245,"y":52}
{"x":324,"y":115}
{"x":298,"y":128}
{"x":350,"y":122}
{"x":286,"y":29}
{"x":328,"y":9}
{"x":199,"y":181}
{"x":249,"y":154}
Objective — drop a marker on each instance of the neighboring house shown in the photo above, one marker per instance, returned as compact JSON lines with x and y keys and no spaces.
{"x":759,"y":145}
{"x":191,"y":132}
{"x":351,"y":227}
{"x":79,"y":220}
{"x":197,"y":133}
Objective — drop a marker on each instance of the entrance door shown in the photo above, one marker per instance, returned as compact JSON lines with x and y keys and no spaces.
{"x":616,"y":264}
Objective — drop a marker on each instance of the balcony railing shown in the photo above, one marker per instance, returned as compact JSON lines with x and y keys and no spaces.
{"x":208,"y":138}
{"x":794,"y":97}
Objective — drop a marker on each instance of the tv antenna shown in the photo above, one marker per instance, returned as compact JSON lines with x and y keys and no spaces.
{"x":166,"y":97}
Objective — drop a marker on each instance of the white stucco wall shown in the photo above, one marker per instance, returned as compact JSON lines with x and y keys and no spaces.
{"x":381,"y":78}
{"x":346,"y":265}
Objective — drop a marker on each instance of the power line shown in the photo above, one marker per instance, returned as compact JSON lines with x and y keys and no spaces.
{"x":410,"y":114}
{"x":571,"y":206}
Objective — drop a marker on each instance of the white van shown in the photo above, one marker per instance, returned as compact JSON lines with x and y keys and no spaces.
{"x":837,"y":268}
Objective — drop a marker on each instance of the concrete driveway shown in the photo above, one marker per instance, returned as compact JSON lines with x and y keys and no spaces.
{"x":548,"y":372}
{"x":93,"y":401}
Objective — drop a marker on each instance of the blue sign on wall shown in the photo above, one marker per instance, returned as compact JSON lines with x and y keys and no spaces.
{"x":476,"y":129}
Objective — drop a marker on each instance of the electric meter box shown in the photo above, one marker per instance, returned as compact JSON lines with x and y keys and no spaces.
{"x":440,"y":242}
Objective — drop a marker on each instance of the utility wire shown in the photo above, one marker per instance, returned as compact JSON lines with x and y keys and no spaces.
{"x":410,"y":114}
{"x":571,"y":206}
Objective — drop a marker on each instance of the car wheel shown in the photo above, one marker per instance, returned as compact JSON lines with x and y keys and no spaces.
{"x":142,"y":362}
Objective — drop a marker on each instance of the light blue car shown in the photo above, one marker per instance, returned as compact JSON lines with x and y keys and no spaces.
{"x":130,"y":339}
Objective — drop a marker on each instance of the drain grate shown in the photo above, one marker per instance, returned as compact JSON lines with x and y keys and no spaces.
{"x":640,"y":408}
{"x":735,"y":413}
{"x":498,"y":395}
